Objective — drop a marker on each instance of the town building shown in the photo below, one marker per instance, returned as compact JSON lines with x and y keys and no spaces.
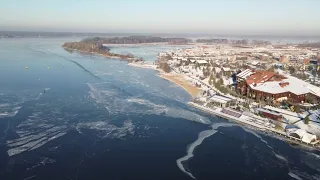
{"x":265,"y":85}
{"x":221,"y":101}
{"x":302,"y":135}
{"x":269,"y":114}
{"x":202,"y":62}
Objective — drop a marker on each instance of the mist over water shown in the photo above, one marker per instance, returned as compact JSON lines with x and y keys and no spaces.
{"x":82,"y":116}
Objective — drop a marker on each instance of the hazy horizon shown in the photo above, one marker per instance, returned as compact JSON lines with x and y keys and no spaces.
{"x":242,"y":17}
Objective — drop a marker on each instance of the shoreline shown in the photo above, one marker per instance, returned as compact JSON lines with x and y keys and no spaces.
{"x":244,"y":122}
{"x":177,"y":79}
{"x":182,"y":82}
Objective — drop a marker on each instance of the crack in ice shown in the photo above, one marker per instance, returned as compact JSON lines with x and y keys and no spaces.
{"x":201,"y":137}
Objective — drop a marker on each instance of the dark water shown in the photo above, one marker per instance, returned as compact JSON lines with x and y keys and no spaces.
{"x":79,"y":116}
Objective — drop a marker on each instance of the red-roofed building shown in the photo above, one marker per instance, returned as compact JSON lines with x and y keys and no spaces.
{"x":265,"y":85}
{"x":260,"y":77}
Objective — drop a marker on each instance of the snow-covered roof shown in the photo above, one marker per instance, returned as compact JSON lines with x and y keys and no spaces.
{"x":283,"y":111}
{"x":312,"y":127}
{"x":293,"y":85}
{"x":226,"y":68}
{"x":315,"y":116}
{"x":220,"y":99}
{"x":308,"y":138}
{"x":303,"y":135}
{"x":202,"y":62}
{"x":246,"y":73}
{"x":255,"y":62}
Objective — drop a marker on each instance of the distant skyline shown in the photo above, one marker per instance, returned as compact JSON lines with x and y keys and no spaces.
{"x":246,"y":17}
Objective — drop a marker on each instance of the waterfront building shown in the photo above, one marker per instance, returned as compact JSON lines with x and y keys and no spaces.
{"x":302,"y":135}
{"x":222,"y":101}
{"x":265,"y":85}
{"x":269,"y":114}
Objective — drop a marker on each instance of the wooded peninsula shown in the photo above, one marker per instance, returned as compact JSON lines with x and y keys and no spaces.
{"x":96,"y":45}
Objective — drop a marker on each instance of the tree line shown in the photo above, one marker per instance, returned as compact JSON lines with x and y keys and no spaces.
{"x":93,"y":47}
{"x":236,"y":42}
{"x":309,"y":45}
{"x":136,"y":40}
{"x":215,"y":41}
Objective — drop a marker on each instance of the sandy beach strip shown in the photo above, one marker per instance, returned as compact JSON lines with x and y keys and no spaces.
{"x":175,"y":78}
{"x":181,"y":81}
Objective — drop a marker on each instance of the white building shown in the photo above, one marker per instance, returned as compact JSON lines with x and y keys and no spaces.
{"x":222,"y":101}
{"x":302,"y":135}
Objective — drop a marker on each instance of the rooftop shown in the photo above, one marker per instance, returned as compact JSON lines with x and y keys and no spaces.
{"x":273,"y":83}
{"x":268,"y":111}
{"x":220,"y":99}
{"x":244,"y":74}
{"x":202,"y":62}
{"x":260,"y":77}
{"x":283,"y":111}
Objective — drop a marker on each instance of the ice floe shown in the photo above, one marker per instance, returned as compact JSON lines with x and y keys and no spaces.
{"x":118,"y":102}
{"x":107,"y":130}
{"x":39,"y":128}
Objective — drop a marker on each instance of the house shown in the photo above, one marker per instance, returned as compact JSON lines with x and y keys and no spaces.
{"x":226,"y":69}
{"x":202,"y":62}
{"x":244,"y":74}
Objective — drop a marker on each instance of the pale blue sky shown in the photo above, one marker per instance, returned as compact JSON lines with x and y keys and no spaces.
{"x":205,"y":16}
